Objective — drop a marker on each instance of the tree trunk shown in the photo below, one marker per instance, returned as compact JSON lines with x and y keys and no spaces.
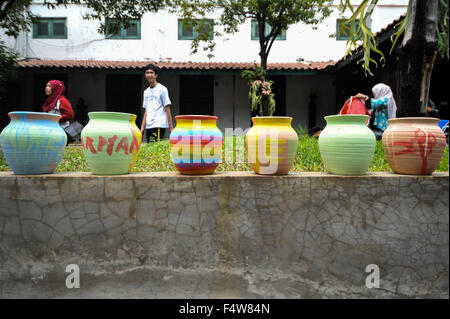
{"x":264,"y":98}
{"x":416,"y":58}
{"x":263,"y":56}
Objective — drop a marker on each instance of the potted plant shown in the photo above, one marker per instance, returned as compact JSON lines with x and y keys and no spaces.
{"x":271,"y":142}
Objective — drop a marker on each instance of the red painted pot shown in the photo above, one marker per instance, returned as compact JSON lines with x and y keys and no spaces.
{"x":414,"y":145}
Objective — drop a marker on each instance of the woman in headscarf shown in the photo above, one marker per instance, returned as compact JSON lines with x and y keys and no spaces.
{"x":383,"y":104}
{"x":57,"y":103}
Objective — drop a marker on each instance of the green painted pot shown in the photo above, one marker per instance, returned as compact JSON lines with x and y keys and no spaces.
{"x":111,"y":142}
{"x":346,"y":144}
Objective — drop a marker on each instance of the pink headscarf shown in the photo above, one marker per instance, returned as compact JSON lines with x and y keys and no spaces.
{"x":58,"y":89}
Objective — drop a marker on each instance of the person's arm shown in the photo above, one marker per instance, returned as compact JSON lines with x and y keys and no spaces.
{"x":66,"y":110}
{"x":144,"y":120}
{"x":169,"y":117}
{"x":362,"y":96}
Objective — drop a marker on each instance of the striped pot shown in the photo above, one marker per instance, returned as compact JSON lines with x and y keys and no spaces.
{"x":111,"y":142}
{"x":346,"y":144}
{"x":196,"y":144}
{"x":271,"y":145}
{"x":33,"y":142}
{"x":414,"y":145}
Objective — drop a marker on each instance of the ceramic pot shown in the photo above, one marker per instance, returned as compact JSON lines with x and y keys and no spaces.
{"x":413,"y":145}
{"x":33,"y":142}
{"x":346,"y":144}
{"x":111,"y":142}
{"x":271,"y":145}
{"x":196,"y":144}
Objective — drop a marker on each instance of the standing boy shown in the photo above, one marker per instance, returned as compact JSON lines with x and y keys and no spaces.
{"x":156,"y":103}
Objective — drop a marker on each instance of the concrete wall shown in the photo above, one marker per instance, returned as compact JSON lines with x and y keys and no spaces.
{"x":162,"y":235}
{"x":159,"y":39}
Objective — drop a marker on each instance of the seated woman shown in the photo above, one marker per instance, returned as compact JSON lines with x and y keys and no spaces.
{"x":57,"y":103}
{"x":383,"y":105}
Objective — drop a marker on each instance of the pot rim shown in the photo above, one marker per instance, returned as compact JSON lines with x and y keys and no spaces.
{"x":196,"y":117}
{"x":272,"y":117}
{"x":411,"y":119}
{"x":347,"y":116}
{"x":49,"y":116}
{"x":110,"y":113}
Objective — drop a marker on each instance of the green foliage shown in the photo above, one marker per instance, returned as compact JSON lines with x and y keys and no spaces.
{"x":363,"y":33}
{"x":379,"y":163}
{"x":154,"y":157}
{"x":8,"y":66}
{"x":308,"y":157}
{"x":444,"y":164}
{"x":16,"y":16}
{"x":73,"y":160}
{"x":259,"y":88}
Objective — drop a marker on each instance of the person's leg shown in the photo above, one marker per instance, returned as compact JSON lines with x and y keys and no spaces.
{"x":152,"y":134}
{"x":161,"y":133}
{"x":69,"y":138}
{"x":155,"y":134}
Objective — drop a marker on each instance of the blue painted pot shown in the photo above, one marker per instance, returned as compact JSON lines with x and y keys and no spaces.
{"x":33,"y":142}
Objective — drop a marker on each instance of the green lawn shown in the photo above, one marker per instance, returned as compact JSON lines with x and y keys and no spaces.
{"x":156,"y":157}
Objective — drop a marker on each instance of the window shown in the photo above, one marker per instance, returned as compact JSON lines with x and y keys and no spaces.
{"x":344,"y":33}
{"x":50,"y":28}
{"x":268,"y":28}
{"x":132,"y":32}
{"x":190,"y":33}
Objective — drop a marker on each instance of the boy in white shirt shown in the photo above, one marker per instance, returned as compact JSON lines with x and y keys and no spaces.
{"x":156,"y":102}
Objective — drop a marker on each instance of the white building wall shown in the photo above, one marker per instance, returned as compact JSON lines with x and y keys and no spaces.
{"x":159,"y":39}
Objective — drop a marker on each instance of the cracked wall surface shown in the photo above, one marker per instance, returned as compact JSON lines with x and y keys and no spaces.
{"x":303,"y":235}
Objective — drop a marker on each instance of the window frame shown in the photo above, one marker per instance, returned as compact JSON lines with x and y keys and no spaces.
{"x":339,"y":22}
{"x":50,"y":22}
{"x":194,"y":32}
{"x":123,"y":31}
{"x":254,"y":31}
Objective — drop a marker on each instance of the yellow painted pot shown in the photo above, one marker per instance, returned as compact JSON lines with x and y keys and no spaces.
{"x":271,"y":145}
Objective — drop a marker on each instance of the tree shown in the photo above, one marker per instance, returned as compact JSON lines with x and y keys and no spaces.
{"x":425,"y":34}
{"x":8,"y":66}
{"x":15,"y":16}
{"x":277,"y":15}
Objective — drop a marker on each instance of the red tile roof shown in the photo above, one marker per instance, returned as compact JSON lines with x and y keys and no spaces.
{"x":102,"y":64}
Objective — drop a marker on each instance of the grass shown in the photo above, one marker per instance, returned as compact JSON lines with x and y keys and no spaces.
{"x":155,"y":157}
